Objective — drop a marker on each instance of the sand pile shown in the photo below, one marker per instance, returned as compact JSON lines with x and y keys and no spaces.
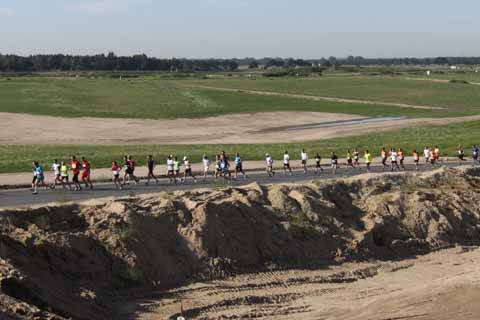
{"x":82,"y":261}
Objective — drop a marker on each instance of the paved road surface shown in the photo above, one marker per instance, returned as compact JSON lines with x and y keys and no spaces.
{"x":24,"y":197}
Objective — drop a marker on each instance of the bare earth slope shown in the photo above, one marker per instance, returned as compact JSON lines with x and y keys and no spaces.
{"x":81,"y":260}
{"x":263,"y":127}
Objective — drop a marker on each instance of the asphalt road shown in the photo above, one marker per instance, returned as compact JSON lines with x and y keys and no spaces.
{"x":23,"y":197}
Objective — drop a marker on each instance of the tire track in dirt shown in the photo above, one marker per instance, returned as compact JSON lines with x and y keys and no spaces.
{"x":262,"y":295}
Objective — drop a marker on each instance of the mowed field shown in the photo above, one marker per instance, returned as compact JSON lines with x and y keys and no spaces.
{"x":455,"y":97}
{"x":152,"y":98}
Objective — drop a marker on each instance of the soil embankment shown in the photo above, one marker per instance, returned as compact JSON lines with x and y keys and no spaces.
{"x":81,"y":261}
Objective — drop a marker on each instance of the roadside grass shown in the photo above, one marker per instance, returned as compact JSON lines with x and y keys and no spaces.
{"x":456,"y":97}
{"x":154,"y":98}
{"x":18,"y":158}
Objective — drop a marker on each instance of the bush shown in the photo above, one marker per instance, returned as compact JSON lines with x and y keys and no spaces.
{"x":459,"y":81}
{"x":276,"y":74}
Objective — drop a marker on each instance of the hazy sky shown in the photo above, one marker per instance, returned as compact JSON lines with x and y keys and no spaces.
{"x":241,"y":28}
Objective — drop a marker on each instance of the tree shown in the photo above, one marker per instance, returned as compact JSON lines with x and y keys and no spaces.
{"x":253,"y":65}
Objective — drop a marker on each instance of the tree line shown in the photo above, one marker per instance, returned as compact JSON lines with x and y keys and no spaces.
{"x":110,"y":62}
{"x":357,"y":61}
{"x":141,"y":62}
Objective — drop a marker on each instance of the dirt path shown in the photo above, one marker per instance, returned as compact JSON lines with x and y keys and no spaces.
{"x":322,"y":98}
{"x":441,"y":285}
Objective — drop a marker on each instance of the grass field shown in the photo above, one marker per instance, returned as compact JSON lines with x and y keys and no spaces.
{"x":456,"y":97}
{"x":18,"y":158}
{"x":154,"y":98}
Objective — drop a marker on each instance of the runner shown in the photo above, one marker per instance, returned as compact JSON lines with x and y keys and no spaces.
{"x":432,"y":157}
{"x":475,"y":155}
{"x":116,"y":175}
{"x":56,"y":171}
{"x":461,"y":153}
{"x":188,"y":170}
{"x":286,"y":163}
{"x":75,"y":167}
{"x":217,"y":166}
{"x":318,"y":165}
{"x":356,"y":158}
{"x":151,"y":166}
{"x":40,"y":180}
{"x":401,"y":156}
{"x":64,"y":175}
{"x":34,"y":178}
{"x":436,"y":154}
{"x":206,"y":167}
{"x":426,"y":154}
{"x":176,"y":168}
{"x":269,"y":164}
{"x":416,"y":159}
{"x":304,"y":157}
{"x":129,"y":171}
{"x":383,"y":154}
{"x":334,"y":161}
{"x":394,"y":160}
{"x":225,"y":166}
{"x":86,"y":173}
{"x":170,"y":171}
{"x":349,"y":160}
{"x":368,"y":159}
{"x":239,"y":166}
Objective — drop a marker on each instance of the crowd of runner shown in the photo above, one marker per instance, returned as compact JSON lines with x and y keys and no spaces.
{"x":80,"y":171}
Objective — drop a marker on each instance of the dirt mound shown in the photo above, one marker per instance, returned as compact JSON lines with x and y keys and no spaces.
{"x":80,"y":261}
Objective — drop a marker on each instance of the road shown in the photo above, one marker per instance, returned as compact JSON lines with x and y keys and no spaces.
{"x":23,"y":197}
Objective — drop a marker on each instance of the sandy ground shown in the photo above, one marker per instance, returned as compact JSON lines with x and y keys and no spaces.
{"x":235,"y":128}
{"x":323,"y":98}
{"x":441,"y":285}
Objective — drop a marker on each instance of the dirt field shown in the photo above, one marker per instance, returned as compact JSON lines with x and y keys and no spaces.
{"x":441,"y":285}
{"x":236,"y":128}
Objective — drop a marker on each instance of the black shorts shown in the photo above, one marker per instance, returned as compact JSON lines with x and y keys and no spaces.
{"x":318,"y":165}
{"x":304,"y":161}
{"x":188,"y":171}
{"x":171,"y":172}
{"x":238,"y":167}
{"x":34,"y":179}
{"x":349,"y":161}
{"x":150,"y":171}
{"x":75,"y":177}
{"x":129,"y":171}
{"x":286,"y":165}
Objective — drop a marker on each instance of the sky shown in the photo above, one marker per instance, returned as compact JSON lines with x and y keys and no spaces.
{"x":242,"y":28}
